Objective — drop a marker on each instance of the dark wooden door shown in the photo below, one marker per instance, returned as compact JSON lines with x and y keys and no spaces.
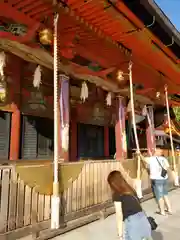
{"x":37,"y":137}
{"x":5,"y":124}
{"x":112,"y":141}
{"x":90,"y":141}
{"x":29,"y":138}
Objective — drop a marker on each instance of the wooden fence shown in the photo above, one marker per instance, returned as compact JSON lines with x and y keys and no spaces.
{"x":23,"y":208}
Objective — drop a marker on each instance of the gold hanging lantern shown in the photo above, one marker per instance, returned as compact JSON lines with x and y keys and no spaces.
{"x":46,"y":36}
{"x":120,"y":75}
{"x":158,"y":94}
{"x":3,"y":92}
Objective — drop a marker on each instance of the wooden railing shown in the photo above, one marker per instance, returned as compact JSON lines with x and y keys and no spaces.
{"x":23,"y":209}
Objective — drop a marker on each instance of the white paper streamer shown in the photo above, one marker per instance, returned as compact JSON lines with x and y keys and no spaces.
{"x":144,"y":111}
{"x":84,"y":92}
{"x":109,"y":99}
{"x":37,"y":77}
{"x":129,"y":106}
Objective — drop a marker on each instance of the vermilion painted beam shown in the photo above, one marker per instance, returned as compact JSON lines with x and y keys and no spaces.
{"x":91,"y":13}
{"x":6,"y":10}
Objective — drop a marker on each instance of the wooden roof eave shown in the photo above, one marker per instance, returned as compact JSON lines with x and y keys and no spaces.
{"x":43,"y":58}
{"x":92,"y":27}
{"x":165,"y":22}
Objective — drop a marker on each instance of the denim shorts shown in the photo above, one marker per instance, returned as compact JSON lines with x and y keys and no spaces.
{"x":137,"y":227}
{"x":160,"y":188}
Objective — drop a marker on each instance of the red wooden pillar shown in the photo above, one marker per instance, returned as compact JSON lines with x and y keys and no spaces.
{"x":106,"y":141}
{"x":120,"y":130}
{"x":64,"y":114}
{"x":150,"y":136}
{"x":16,"y":115}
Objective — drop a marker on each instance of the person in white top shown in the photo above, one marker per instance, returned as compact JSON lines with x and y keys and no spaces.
{"x":158,"y":167}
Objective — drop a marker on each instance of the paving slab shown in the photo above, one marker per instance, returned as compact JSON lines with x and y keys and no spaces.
{"x":168,"y":228}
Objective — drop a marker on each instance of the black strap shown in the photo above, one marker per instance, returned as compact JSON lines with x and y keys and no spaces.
{"x":159,"y":163}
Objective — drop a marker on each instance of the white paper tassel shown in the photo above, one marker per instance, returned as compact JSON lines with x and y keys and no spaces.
{"x":65,"y":138}
{"x":144,"y":111}
{"x":109,"y":99}
{"x":84,"y":91}
{"x":129,"y":106}
{"x":37,"y":77}
{"x":2,"y":63}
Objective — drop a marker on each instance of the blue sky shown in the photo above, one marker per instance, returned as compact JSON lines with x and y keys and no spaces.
{"x":171,"y":9}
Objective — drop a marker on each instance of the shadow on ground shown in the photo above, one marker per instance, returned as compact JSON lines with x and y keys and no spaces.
{"x":157,"y":235}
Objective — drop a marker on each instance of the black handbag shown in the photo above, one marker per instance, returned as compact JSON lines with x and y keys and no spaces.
{"x":163,"y":171}
{"x":152,"y":223}
{"x":151,"y":220}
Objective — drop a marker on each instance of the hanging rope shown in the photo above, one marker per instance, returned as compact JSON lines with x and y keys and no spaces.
{"x":55,"y":198}
{"x":56,"y":104}
{"x":134,"y":121}
{"x":170,"y":128}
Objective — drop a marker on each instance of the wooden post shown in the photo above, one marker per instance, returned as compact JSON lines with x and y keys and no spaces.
{"x":150,"y":136}
{"x":106,"y":141}
{"x":64,"y":116}
{"x":120,"y":130}
{"x":16,"y":115}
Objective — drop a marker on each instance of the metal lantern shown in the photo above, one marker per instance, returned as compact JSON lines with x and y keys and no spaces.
{"x":120,"y":75}
{"x":3,"y":92}
{"x":158,"y":94}
{"x":46,"y":36}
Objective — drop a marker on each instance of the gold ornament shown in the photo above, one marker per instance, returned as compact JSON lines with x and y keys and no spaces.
{"x":3,"y":92}
{"x":158,"y":94}
{"x":46,"y":36}
{"x":120,"y":76}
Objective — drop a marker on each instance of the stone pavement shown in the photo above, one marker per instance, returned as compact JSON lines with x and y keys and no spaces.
{"x":169,"y":226}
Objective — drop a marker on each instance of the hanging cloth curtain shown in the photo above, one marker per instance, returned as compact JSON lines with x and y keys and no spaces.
{"x":145,"y":112}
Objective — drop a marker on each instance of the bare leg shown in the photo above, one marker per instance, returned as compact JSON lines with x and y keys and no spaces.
{"x":167,"y":204}
{"x":161,"y":206}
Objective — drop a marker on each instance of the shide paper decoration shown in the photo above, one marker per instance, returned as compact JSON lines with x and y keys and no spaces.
{"x":84,"y":91}
{"x":109,"y":99}
{"x":37,"y":77}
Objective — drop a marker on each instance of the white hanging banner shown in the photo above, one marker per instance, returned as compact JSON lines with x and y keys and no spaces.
{"x":64,"y":112}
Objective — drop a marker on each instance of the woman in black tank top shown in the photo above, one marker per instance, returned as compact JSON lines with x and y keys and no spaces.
{"x":128,"y":210}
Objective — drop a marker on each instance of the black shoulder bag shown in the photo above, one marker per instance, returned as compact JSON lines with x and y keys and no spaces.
{"x":150,"y":219}
{"x":163,"y":171}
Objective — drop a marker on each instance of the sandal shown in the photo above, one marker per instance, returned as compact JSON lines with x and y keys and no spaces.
{"x":169,"y":212}
{"x":161,"y":213}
